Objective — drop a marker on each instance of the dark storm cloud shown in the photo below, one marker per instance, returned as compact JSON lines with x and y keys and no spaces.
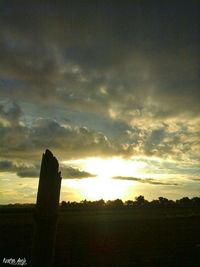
{"x":144,"y":54}
{"x":144,"y":180}
{"x":21,"y":169}
{"x":127,"y":68}
{"x":32,"y":170}
{"x":28,"y":173}
{"x":69,"y":172}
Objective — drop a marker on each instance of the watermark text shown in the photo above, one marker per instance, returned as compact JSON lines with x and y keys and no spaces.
{"x":16,"y":262}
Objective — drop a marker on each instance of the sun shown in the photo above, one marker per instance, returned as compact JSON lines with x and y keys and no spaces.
{"x":108,"y":168}
{"x":103,"y":186}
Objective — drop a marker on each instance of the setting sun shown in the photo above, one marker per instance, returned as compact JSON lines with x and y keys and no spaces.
{"x":100,"y":188}
{"x":103,"y":186}
{"x":108,"y":168}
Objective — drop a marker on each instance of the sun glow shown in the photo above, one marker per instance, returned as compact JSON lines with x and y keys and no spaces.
{"x":107,"y":168}
{"x":103,"y":186}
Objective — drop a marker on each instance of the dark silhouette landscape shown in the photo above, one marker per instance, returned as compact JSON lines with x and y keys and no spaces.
{"x":135,"y":233}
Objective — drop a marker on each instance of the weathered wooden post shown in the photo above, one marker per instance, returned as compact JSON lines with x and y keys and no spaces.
{"x":46,"y":212}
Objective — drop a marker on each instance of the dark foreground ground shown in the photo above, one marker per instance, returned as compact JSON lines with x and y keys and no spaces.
{"x":119,"y":237}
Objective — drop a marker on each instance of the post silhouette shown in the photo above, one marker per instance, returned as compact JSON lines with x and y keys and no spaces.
{"x":46,"y":212}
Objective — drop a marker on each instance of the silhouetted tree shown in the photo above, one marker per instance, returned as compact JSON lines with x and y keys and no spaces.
{"x":63,"y":204}
{"x":195,"y":201}
{"x":163,"y":201}
{"x":99,"y":203}
{"x":129,"y":203}
{"x":155,"y":203}
{"x":117,"y":203}
{"x":185,"y":201}
{"x":141,"y":201}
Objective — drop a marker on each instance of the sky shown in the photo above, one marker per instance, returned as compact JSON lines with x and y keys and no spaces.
{"x":112,"y":88}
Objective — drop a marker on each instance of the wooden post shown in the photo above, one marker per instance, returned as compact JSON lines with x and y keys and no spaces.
{"x":46,"y":212}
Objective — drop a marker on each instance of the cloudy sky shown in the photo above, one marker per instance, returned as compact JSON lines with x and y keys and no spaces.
{"x":111,"y":87}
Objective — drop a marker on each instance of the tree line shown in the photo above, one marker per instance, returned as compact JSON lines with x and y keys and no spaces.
{"x":139,"y":201}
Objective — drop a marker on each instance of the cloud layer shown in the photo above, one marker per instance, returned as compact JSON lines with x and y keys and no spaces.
{"x":32,"y":171}
{"x":103,"y":58}
{"x":99,"y":80}
{"x":145,"y":180}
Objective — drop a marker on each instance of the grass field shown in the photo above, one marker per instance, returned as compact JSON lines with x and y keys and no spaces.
{"x":110,"y":237}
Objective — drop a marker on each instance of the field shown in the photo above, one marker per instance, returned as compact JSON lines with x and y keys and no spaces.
{"x":110,"y":237}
